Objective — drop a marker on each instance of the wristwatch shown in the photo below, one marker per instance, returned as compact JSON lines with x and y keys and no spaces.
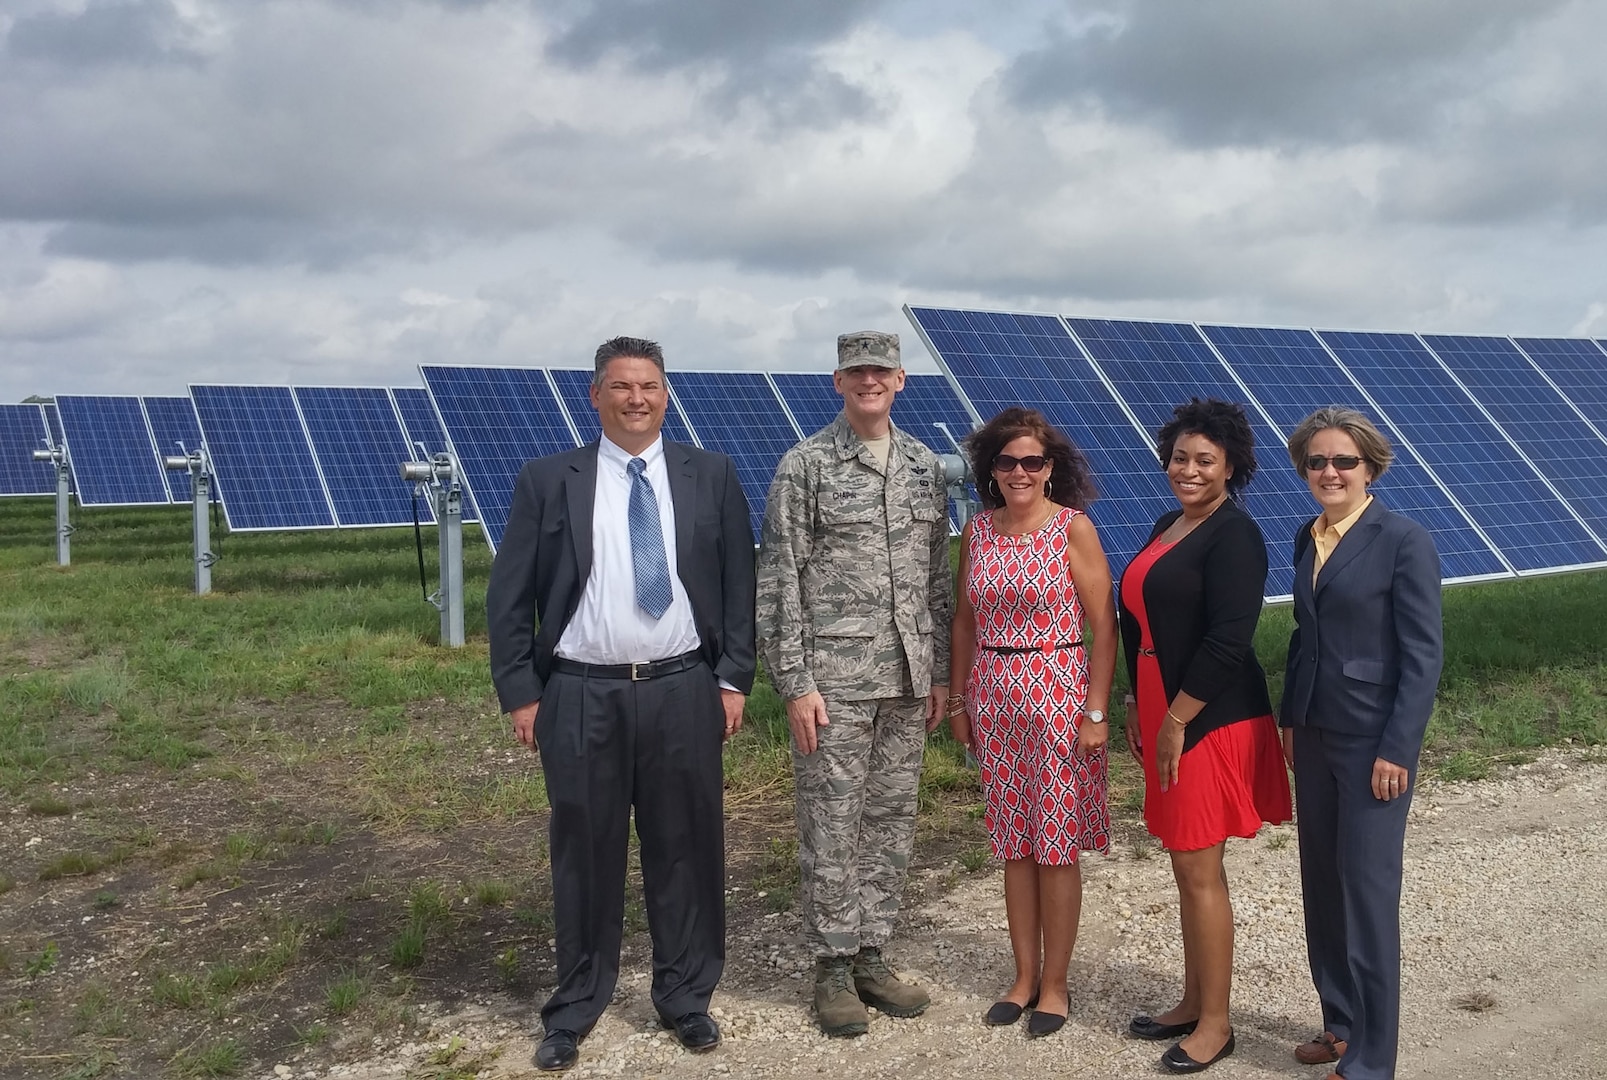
{"x":1094,"y":716}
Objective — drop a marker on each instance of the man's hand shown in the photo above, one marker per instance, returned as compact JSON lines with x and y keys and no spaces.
{"x":935,"y":705}
{"x":733,"y":700}
{"x":1390,"y":781}
{"x":804,"y":715}
{"x":524,"y":723}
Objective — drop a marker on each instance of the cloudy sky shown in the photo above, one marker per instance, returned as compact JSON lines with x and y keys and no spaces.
{"x":325,"y":191}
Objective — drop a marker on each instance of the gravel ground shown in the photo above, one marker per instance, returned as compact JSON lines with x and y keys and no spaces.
{"x":1505,"y":965}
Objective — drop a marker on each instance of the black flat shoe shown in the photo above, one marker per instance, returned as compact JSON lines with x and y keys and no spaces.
{"x":1044,"y":1023}
{"x":558,"y":1051}
{"x":1005,"y":1013}
{"x":696,"y":1031}
{"x":1142,"y":1027}
{"x":1177,"y":1060}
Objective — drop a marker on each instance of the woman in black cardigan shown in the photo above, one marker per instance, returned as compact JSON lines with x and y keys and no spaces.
{"x":1202,"y":727}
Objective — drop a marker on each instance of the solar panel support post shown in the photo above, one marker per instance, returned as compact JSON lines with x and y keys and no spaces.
{"x":195,"y":464}
{"x":440,"y":475}
{"x":64,"y":484}
{"x":956,"y":475}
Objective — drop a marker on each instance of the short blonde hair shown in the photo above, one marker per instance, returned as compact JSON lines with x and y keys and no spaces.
{"x":1374,"y":447}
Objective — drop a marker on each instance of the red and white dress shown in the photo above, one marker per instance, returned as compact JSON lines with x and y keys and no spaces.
{"x":1025,"y":695}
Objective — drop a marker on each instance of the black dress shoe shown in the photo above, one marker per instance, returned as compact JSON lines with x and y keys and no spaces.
{"x":696,"y":1031}
{"x":1045,"y":1023}
{"x":558,"y":1051}
{"x":1142,"y":1027}
{"x":1177,"y":1060}
{"x":1005,"y":1013}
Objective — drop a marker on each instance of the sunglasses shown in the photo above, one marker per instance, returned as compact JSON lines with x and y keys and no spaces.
{"x":1033,"y":463}
{"x":1342,"y":462}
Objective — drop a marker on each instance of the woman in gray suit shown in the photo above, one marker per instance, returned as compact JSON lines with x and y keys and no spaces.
{"x":1364,"y":663}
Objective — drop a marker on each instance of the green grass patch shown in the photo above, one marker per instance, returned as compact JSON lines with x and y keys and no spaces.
{"x":49,"y":806}
{"x":224,"y":1058}
{"x":80,"y":863}
{"x":345,"y":993}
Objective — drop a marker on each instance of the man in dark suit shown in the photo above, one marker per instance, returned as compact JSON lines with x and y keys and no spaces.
{"x":1363,"y":666}
{"x":634,"y":556}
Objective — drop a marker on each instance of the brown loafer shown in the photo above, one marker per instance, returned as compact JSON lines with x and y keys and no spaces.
{"x":1321,"y":1050}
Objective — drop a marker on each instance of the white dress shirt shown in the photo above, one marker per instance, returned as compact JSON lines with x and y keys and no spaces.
{"x":608,"y":626}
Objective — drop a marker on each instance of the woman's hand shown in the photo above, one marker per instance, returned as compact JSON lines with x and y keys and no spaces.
{"x":1168,"y":752}
{"x":1288,"y":737}
{"x":1390,"y":781}
{"x":960,"y":728}
{"x":1091,"y":736}
{"x":1135,"y":741}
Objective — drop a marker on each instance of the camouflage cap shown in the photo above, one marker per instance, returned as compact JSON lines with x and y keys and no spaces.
{"x":873,"y":348}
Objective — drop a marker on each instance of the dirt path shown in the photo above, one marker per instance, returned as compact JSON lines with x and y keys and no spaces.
{"x":1505,"y":965}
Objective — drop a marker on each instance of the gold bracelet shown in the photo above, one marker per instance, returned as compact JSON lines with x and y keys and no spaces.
{"x":1170,"y":715}
{"x":956,"y":699}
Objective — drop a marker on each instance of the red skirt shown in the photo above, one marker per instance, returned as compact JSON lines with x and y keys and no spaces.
{"x":1227,"y":785}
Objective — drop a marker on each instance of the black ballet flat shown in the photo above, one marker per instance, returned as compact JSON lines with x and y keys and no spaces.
{"x":1177,"y":1060}
{"x":1005,"y":1013}
{"x":1142,"y":1027}
{"x":1044,"y":1023}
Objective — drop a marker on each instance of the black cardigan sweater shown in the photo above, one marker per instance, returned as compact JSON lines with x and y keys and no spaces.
{"x":1203,"y":599}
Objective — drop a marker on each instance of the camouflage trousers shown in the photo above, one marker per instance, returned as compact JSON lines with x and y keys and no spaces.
{"x":856,"y":820}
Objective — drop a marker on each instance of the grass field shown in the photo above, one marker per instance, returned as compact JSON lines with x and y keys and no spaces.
{"x":280,"y":818}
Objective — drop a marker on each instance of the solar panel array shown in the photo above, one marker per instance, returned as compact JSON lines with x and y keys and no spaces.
{"x":111,"y":451}
{"x":1495,"y":437}
{"x":22,"y":431}
{"x":177,"y":432}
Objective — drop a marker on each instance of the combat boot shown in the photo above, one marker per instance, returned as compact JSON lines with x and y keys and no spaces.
{"x":836,"y":1005}
{"x":878,"y":986}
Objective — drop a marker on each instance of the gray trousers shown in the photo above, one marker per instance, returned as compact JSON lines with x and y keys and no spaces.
{"x":856,"y":820}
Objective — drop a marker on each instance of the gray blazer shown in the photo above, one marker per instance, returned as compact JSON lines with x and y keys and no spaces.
{"x":1367,"y":648}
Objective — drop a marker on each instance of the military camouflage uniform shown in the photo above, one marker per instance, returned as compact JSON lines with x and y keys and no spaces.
{"x":855,"y":597}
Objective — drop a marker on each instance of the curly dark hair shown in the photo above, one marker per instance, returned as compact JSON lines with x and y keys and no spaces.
{"x":1071,"y":481}
{"x":1225,"y":424}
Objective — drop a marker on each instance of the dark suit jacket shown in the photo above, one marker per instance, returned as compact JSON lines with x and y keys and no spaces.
{"x":1367,"y":647}
{"x":545,"y":559}
{"x":1203,"y":599}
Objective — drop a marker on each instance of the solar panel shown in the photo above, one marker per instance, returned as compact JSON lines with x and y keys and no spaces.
{"x":1525,"y":519}
{"x":424,"y":433}
{"x":109,"y":446}
{"x":998,"y":360}
{"x":1579,"y":370}
{"x":496,"y":420}
{"x":22,"y":431}
{"x":1290,"y":375}
{"x":266,"y":473}
{"x":53,"y":420}
{"x":176,"y":431}
{"x":738,"y":414}
{"x":1550,"y":433}
{"x":925,"y":402}
{"x":574,"y":390}
{"x":1157,"y":366}
{"x":358,"y":441}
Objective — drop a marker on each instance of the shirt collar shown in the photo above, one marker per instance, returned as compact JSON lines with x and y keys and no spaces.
{"x":1343,"y":526}
{"x":611,"y":456}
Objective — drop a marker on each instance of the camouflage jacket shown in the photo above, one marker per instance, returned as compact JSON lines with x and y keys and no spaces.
{"x":854,"y":578}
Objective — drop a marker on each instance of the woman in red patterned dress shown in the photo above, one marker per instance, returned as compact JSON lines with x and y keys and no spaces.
{"x":1034,"y":651}
{"x":1203,"y":727}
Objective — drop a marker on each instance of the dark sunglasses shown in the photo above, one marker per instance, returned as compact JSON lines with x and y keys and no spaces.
{"x":1033,"y":463}
{"x":1342,"y":462}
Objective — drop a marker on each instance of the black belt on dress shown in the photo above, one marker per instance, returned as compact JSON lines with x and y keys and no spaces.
{"x":1032,"y":648}
{"x":649,"y":669}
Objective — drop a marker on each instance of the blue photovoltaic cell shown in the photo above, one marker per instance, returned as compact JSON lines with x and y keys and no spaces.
{"x":360,"y":447}
{"x":1565,"y":448}
{"x":925,"y":401}
{"x":497,"y":419}
{"x":737,"y":414}
{"x":109,"y":447}
{"x":1578,"y":368}
{"x":1157,"y":366}
{"x":176,"y":431}
{"x":423,"y":426}
{"x":1001,"y":360}
{"x":53,"y":418}
{"x":574,"y":390}
{"x":1503,"y":493}
{"x":267,"y":477}
{"x":1291,"y":375}
{"x":22,"y":431}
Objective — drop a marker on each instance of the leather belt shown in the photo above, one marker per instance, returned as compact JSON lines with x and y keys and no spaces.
{"x":647,"y":669}
{"x":1032,"y":648}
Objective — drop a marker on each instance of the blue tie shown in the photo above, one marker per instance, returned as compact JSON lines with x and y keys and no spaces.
{"x":652,"y":570}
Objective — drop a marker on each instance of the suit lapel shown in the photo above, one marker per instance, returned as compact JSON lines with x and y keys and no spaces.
{"x":1361,"y":534}
{"x":1304,"y":590}
{"x":683,"y":493}
{"x":580,"y":491}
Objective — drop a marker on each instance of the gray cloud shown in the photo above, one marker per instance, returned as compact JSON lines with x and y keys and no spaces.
{"x":138,"y":32}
